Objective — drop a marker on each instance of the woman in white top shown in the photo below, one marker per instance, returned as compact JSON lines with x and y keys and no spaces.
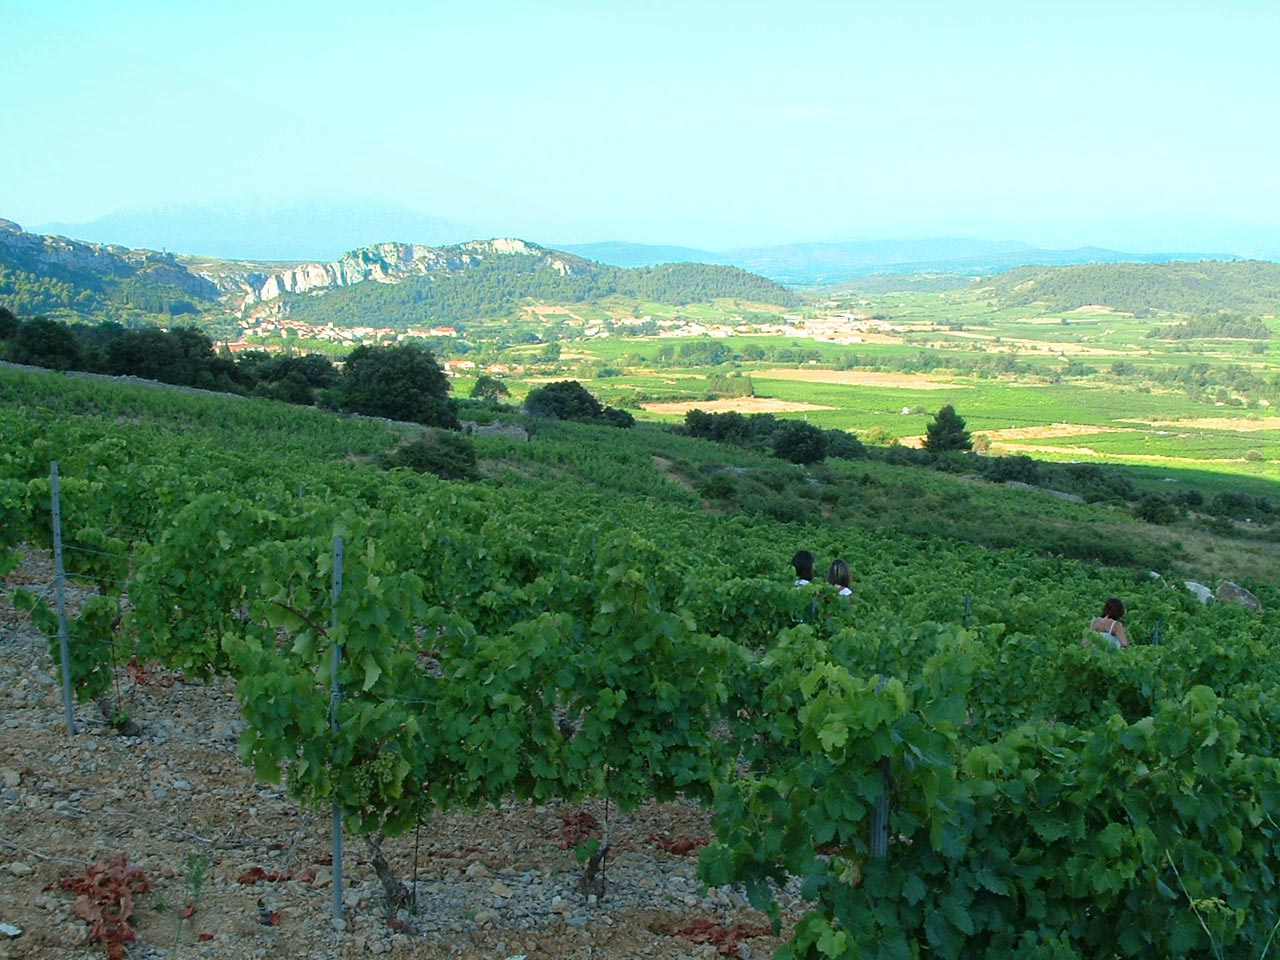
{"x":1109,"y":624}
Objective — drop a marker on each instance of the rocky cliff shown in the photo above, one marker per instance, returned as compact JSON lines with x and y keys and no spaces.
{"x":93,"y":264}
{"x":248,"y":287}
{"x":254,"y":287}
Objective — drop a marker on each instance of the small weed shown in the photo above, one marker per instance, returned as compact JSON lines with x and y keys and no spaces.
{"x":193,"y":875}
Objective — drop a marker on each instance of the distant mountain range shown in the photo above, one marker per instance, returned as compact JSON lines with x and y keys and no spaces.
{"x":324,"y":233}
{"x":265,"y":233}
{"x":825,"y":264}
{"x":403,"y":285}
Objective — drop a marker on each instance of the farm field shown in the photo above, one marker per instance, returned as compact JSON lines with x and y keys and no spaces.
{"x":580,"y":632}
{"x":1198,"y":403}
{"x":582,"y":629}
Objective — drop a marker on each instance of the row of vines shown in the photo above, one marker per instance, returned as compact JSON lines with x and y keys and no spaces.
{"x":1047,"y":797}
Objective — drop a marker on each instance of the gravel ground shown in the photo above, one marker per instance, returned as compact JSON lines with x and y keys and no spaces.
{"x":496,"y":883}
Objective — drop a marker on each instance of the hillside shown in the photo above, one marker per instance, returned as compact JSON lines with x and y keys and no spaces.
{"x":494,"y":288}
{"x":1205,"y":287}
{"x":534,"y":664}
{"x":54,"y":276}
{"x":387,"y":284}
{"x":817,"y":264}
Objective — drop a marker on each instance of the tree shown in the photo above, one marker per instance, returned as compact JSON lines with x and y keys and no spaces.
{"x":9,"y":323}
{"x":403,"y":382}
{"x":41,"y":342}
{"x":800,"y":442}
{"x":946,"y":432}
{"x":489,"y":388}
{"x":564,"y":400}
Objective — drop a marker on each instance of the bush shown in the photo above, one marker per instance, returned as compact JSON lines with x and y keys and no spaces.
{"x":844,"y":446}
{"x":800,"y":442}
{"x":448,"y":455}
{"x":721,"y":486}
{"x":1154,"y":508}
{"x":617,"y":418}
{"x":1021,"y":469}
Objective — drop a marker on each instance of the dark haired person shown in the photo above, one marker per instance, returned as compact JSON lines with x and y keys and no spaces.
{"x":1109,"y":625}
{"x":838,"y":576}
{"x":803,"y":562}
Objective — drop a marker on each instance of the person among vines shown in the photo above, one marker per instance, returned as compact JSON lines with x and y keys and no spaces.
{"x":803,"y":562}
{"x":1108,"y":625}
{"x":838,"y":576}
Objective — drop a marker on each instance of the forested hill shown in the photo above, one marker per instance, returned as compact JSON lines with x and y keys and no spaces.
{"x":54,"y":276}
{"x":387,"y":285}
{"x":498,"y":285}
{"x":1207,"y":287}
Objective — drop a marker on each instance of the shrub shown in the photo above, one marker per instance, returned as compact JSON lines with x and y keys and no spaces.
{"x":448,"y":455}
{"x":617,"y":418}
{"x":1021,"y":469}
{"x":800,"y":442}
{"x":1154,"y":508}
{"x":844,"y":446}
{"x":720,"y":486}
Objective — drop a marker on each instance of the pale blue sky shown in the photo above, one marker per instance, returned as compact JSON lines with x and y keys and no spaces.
{"x":1128,"y":124}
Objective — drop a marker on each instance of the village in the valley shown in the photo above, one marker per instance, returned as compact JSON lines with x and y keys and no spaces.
{"x":265,"y":333}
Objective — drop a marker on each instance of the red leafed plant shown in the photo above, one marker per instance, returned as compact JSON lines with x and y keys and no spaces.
{"x":105,"y":901}
{"x":254,"y":874}
{"x":726,"y":939}
{"x":681,"y":846}
{"x":576,"y":828}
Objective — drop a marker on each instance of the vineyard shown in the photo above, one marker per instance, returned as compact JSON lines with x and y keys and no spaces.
{"x":944,"y":766}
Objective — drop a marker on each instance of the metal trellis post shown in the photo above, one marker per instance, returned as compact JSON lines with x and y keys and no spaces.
{"x":880,"y":813}
{"x":60,"y":593}
{"x":335,"y":697}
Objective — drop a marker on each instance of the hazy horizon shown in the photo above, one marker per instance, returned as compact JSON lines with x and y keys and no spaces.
{"x":1140,"y":127}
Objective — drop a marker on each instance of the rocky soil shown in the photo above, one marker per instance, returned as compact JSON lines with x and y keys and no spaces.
{"x":495,"y":883}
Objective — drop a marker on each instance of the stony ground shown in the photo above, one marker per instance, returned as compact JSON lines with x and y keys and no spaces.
{"x":490,"y":884}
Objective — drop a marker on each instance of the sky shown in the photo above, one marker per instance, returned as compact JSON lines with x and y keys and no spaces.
{"x":1135,"y":124}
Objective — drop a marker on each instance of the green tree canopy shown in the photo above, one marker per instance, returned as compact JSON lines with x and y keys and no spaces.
{"x":489,"y":388}
{"x":800,"y":442}
{"x":564,"y":400}
{"x":41,"y":342}
{"x":947,"y":432}
{"x":403,"y":382}
{"x":570,"y":400}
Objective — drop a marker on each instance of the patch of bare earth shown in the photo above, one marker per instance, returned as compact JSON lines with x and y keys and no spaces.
{"x":1239,"y":424}
{"x":666,"y":468}
{"x":859,"y":378}
{"x":493,"y":883}
{"x":1048,"y":431}
{"x":736,"y":405}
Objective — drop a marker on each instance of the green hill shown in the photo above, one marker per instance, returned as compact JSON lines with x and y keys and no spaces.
{"x":395,"y":285}
{"x":67,"y":279}
{"x":1245,"y":286}
{"x":497,"y":286}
